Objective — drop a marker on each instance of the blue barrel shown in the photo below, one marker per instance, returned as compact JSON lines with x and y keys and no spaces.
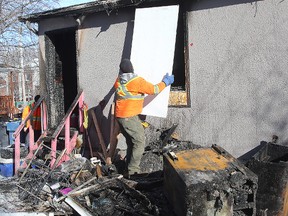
{"x":11,"y":127}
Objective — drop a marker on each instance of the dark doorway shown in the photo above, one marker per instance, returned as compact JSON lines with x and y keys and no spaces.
{"x":61,"y":71}
{"x":65,"y":46}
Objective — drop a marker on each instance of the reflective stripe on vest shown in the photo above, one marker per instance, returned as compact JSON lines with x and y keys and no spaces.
{"x":123,"y":93}
{"x":156,"y":89}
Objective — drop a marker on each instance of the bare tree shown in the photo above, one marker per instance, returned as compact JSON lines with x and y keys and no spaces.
{"x":14,"y":35}
{"x":19,"y":45}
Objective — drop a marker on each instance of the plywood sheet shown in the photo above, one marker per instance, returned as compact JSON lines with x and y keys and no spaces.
{"x":152,"y":52}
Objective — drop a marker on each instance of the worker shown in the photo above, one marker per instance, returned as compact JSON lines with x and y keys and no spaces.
{"x":130,"y":91}
{"x":24,"y":132}
{"x":36,"y":120}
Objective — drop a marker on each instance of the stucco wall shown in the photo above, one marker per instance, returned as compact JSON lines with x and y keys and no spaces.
{"x":238,"y":68}
{"x":101,"y":45}
{"x":103,"y":41}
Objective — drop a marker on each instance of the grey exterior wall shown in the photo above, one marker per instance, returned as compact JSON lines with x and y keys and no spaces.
{"x":238,"y":75}
{"x":237,"y":64}
{"x":102,"y":43}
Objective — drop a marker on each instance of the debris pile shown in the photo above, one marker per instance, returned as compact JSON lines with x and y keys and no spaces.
{"x":81,"y":185}
{"x":177,"y":176}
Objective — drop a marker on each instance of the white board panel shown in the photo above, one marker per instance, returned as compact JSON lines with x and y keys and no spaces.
{"x":152,"y":52}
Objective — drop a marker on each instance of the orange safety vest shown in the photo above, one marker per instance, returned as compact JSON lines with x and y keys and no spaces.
{"x":130,"y":94}
{"x":36,"y":117}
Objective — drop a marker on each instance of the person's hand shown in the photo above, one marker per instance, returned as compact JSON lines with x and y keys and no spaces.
{"x":168,"y":79}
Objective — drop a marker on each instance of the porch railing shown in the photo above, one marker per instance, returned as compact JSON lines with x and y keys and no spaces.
{"x":32,"y":144}
{"x":65,"y":124}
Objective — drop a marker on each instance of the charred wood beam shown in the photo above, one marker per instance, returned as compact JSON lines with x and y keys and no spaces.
{"x":91,"y":188}
{"x":77,"y":207}
{"x":77,"y":188}
{"x":75,"y":11}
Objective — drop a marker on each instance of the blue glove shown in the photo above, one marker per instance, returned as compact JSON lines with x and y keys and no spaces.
{"x":168,"y":79}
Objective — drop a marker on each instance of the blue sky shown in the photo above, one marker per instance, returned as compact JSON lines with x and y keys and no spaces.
{"x":65,"y":3}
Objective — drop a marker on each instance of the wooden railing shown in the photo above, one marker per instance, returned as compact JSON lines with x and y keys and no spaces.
{"x":65,"y":124}
{"x":32,"y":143}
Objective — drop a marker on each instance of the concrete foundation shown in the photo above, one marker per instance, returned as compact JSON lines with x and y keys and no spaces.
{"x":209,"y":181}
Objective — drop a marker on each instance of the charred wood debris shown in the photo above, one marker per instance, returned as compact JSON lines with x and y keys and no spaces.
{"x":81,"y":186}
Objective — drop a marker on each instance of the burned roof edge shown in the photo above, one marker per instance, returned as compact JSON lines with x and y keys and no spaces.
{"x":80,"y":9}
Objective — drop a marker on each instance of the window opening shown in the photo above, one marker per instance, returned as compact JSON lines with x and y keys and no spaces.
{"x":179,"y":94}
{"x":179,"y":62}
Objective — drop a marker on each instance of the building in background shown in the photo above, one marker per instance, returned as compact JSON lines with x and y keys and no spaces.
{"x":11,"y":84}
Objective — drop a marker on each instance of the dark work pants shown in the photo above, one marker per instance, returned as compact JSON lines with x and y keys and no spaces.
{"x":133,"y":131}
{"x":23,"y":136}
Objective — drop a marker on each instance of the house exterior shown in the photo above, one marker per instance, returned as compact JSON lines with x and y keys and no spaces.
{"x":230,"y":71}
{"x":9,"y":81}
{"x":11,"y":84}
{"x":9,"y":90}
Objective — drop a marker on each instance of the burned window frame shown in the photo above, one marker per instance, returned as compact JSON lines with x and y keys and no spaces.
{"x":180,"y":95}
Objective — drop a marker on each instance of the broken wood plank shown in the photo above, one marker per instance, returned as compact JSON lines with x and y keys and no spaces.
{"x":99,"y":134}
{"x":98,"y":171}
{"x":89,"y":142}
{"x":77,"y":207}
{"x":170,"y":132}
{"x":77,"y":188}
{"x":114,"y":132}
{"x":87,"y":190}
